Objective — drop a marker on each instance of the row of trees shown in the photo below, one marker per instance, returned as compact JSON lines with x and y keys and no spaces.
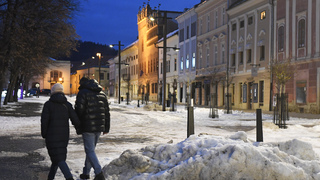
{"x":32,"y":31}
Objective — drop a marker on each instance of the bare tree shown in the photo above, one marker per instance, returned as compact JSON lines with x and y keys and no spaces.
{"x":31,"y":31}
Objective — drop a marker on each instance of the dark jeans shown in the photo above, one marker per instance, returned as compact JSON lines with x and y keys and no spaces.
{"x":63,"y":167}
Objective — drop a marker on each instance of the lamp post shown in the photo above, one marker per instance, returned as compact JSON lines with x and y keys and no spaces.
{"x":99,"y":55}
{"x":119,"y":73}
{"x":164,"y":63}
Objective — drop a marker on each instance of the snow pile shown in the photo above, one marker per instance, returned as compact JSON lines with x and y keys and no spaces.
{"x":215,"y":157}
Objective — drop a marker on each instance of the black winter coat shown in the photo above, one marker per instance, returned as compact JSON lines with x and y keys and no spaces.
{"x":92,"y":107}
{"x":55,"y":125}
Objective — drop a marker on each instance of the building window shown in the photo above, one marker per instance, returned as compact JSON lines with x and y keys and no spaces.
{"x":56,"y":76}
{"x":281,"y":38}
{"x":208,"y":56}
{"x":200,"y":55}
{"x":249,"y":56}
{"x":181,"y":35}
{"x":240,"y":57}
{"x":187,"y":32}
{"x":234,"y":27}
{"x":181,"y":64}
{"x":175,"y":64}
{"x":301,"y":33}
{"x":262,"y":53}
{"x":216,"y":54}
{"x":261,"y":91}
{"x":222,"y":53}
{"x":263,"y":15}
{"x":187,"y":62}
{"x":240,"y":95}
{"x":193,"y":60}
{"x":193,"y":29}
{"x":200,"y":28}
{"x":216,"y":20}
{"x":160,"y":68}
{"x":242,"y":24}
{"x":168,"y":66}
{"x":250,"y":20}
{"x":301,"y":92}
{"x":208,"y":23}
{"x":233,"y":59}
{"x":101,"y":76}
{"x":223,"y":15}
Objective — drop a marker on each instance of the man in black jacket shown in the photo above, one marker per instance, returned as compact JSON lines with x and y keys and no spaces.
{"x":93,"y":111}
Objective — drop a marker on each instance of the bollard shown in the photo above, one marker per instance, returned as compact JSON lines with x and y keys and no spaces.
{"x":259,"y":126}
{"x":138,"y":103}
{"x":190,"y":128}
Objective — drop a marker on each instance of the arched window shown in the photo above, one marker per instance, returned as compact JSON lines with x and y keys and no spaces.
{"x":281,"y":38}
{"x":301,"y":33}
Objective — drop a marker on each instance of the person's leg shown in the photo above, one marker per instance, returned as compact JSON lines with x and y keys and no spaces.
{"x":86,"y":169}
{"x":90,"y":140}
{"x":53,"y":171}
{"x":65,"y":169}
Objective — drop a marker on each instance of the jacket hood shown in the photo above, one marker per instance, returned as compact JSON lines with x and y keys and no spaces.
{"x":91,"y":84}
{"x":58,"y":98}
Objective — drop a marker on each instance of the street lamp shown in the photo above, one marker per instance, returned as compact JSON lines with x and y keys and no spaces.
{"x":164,"y":63}
{"x":99,"y":55}
{"x":119,"y":55}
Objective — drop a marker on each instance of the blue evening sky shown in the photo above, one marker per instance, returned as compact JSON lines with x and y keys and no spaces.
{"x":110,"y":21}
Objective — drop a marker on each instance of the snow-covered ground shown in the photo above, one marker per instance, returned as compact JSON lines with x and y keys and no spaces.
{"x":148,"y":144}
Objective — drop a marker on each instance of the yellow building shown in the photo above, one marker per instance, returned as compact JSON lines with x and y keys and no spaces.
{"x":149,"y":34}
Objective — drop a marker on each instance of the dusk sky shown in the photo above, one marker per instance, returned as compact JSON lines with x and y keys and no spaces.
{"x":110,"y":21}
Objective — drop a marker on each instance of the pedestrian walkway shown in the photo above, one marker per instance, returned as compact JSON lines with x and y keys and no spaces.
{"x":21,"y":109}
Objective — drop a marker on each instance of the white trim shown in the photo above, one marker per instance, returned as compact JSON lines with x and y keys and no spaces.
{"x":245,"y":42}
{"x":255,"y":36}
{"x":309,"y":47}
{"x":287,"y":29}
{"x":294,"y":27}
{"x":317,"y":29}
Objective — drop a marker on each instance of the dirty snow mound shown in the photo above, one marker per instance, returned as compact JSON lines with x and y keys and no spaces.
{"x":213,"y":157}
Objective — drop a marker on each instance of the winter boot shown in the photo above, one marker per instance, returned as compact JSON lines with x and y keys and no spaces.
{"x":84,"y":176}
{"x":99,"y":176}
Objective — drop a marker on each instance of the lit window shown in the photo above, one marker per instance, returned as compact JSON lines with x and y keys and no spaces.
{"x":187,"y":62}
{"x":263,"y":15}
{"x":193,"y":60}
{"x":181,"y":64}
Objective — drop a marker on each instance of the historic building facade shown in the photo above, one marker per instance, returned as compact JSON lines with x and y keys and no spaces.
{"x":171,"y":65}
{"x":298,"y":41}
{"x":57,"y":72}
{"x":250,"y":33}
{"x":128,"y":73}
{"x":212,"y":44}
{"x":187,"y":54}
{"x":149,"y":34}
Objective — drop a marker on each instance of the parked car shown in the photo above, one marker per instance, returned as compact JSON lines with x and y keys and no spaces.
{"x":45,"y":91}
{"x":32,"y":91}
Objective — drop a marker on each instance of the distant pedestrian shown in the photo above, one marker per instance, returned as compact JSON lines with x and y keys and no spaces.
{"x":55,"y":129}
{"x":92,"y":108}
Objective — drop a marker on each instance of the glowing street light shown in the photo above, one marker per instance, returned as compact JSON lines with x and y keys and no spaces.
{"x":119,"y":73}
